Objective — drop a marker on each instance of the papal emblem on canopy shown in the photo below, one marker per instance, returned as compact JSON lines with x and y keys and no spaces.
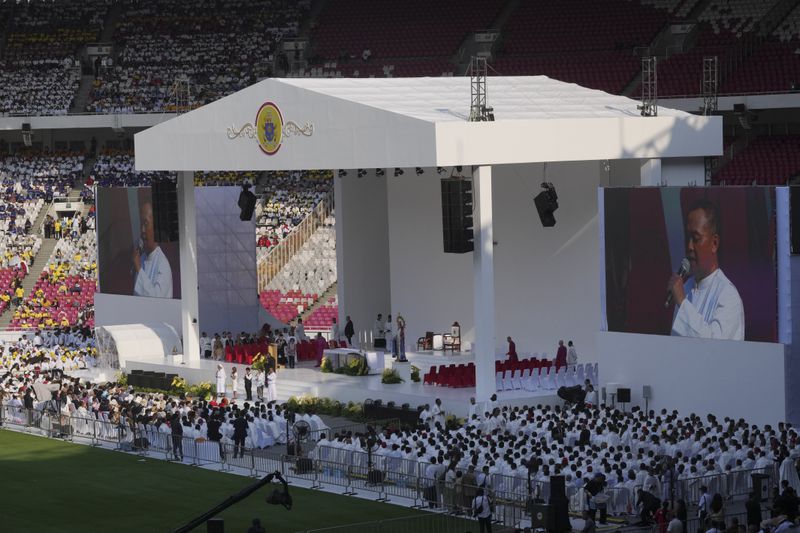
{"x":269,"y":128}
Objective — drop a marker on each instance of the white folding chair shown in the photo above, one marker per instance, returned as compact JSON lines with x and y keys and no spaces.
{"x":590,"y":373}
{"x":524,"y":379}
{"x":561,"y":377}
{"x":579,"y":374}
{"x":498,"y":380}
{"x":507,"y":382}
{"x":552,"y":378}
{"x":571,"y":376}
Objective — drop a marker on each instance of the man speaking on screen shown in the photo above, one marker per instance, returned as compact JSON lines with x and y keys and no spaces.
{"x":151,"y":267}
{"x":713,"y":308}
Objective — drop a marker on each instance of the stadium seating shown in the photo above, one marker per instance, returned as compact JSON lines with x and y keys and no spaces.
{"x":38,"y":71}
{"x":218,"y":47}
{"x":64,"y":292}
{"x":765,"y":161}
{"x":566,"y":41}
{"x":286,"y":199}
{"x":410,"y":29}
{"x":322,"y":317}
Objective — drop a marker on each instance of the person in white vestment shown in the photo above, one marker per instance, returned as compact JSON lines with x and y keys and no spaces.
{"x":153,"y":275}
{"x":234,"y":381}
{"x":221,"y":381}
{"x":788,"y":473}
{"x":272,"y":386}
{"x":335,"y":334}
{"x":713,"y":308}
{"x":260,"y":382}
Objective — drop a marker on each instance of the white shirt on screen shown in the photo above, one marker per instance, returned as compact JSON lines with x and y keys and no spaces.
{"x":711,"y":310}
{"x":155,"y":276}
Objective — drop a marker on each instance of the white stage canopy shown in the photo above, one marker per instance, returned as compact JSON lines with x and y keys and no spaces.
{"x":117,"y":344}
{"x":411,"y":122}
{"x":381,"y":123}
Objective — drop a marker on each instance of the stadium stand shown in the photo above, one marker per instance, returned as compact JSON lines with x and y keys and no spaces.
{"x":286,"y":199}
{"x":63,"y":296}
{"x":38,"y":71}
{"x":309,"y":273}
{"x":387,"y":29}
{"x":210,"y":43}
{"x":591,"y":47}
{"x":322,"y":317}
{"x":768,"y":160}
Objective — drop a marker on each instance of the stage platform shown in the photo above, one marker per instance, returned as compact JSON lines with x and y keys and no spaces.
{"x":305,"y":379}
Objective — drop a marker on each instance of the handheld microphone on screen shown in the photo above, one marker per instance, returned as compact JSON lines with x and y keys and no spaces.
{"x":140,"y":247}
{"x":682,"y":272}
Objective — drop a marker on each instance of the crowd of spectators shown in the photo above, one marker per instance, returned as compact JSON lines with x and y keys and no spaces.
{"x":219,"y":47}
{"x":38,"y":70}
{"x":63,"y":296}
{"x":30,"y":176}
{"x":287,"y":199}
{"x":631,"y":457}
{"x":35,"y":374}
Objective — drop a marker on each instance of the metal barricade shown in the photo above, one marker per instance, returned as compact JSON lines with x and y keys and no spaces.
{"x":330,"y":473}
{"x":426,"y":523}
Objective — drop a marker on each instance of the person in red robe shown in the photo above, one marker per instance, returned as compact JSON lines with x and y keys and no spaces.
{"x":512,"y":350}
{"x":320,"y":344}
{"x":561,"y":355}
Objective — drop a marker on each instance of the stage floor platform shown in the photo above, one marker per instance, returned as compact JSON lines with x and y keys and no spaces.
{"x":305,"y":379}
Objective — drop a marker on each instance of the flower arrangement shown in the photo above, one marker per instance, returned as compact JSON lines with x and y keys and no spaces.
{"x":414,"y":374}
{"x":355,"y":367}
{"x":259,"y":362}
{"x":203,"y":390}
{"x":390,"y":377}
{"x":326,"y":365}
{"x":178,"y":385}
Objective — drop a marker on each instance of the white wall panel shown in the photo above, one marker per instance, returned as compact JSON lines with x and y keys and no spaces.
{"x":726,"y":378}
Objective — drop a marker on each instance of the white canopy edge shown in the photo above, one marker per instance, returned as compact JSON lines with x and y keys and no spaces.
{"x":408,"y":122}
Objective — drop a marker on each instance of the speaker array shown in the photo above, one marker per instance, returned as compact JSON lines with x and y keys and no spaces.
{"x":165,"y":211}
{"x":151,"y":380}
{"x":457,"y":215}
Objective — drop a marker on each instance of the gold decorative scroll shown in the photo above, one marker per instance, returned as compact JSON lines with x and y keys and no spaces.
{"x":248,"y":130}
{"x":292,"y":128}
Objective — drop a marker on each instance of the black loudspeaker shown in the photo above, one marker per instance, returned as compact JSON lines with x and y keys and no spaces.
{"x":542,"y":516}
{"x":794,"y":218}
{"x":215,"y":525}
{"x":26,"y":127}
{"x":165,"y":211}
{"x":761,"y":486}
{"x":247,"y":204}
{"x":624,"y":395}
{"x":739,"y":109}
{"x":560,"y":504}
{"x":647,"y":392}
{"x":457,"y":216}
{"x":546,"y":204}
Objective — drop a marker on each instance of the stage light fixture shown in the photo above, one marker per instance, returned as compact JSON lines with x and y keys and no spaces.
{"x":398,"y":172}
{"x":361,"y":172}
{"x":419,"y":171}
{"x":247,"y":203}
{"x":342,"y":173}
{"x":441,"y":170}
{"x":459,"y":168}
{"x":380,"y":172}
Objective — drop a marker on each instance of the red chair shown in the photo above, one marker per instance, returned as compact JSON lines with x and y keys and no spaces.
{"x":229,"y":353}
{"x":431,"y":377}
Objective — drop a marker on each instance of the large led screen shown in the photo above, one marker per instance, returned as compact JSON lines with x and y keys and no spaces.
{"x":131,"y":261}
{"x":691,"y":262}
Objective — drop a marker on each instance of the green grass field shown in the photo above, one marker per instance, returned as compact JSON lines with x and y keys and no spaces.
{"x":49,"y":485}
